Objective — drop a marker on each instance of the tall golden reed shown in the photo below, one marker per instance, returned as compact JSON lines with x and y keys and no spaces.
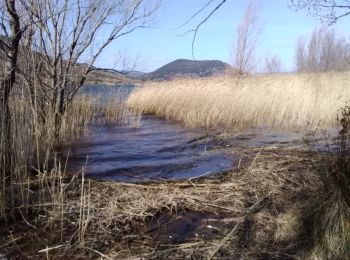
{"x":289,"y":101}
{"x":33,"y":153}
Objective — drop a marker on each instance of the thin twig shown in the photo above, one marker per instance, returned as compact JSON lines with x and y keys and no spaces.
{"x":223,"y":241}
{"x":195,"y":14}
{"x":195,"y":31}
{"x":49,"y":249}
{"x":97,"y":252}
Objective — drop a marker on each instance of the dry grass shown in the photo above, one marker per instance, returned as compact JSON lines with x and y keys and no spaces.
{"x":112,"y":220}
{"x":33,"y":142}
{"x":331,"y":229}
{"x":297,"y":101}
{"x":265,"y":207}
{"x":332,"y":218}
{"x":87,"y":109}
{"x":34,"y":195}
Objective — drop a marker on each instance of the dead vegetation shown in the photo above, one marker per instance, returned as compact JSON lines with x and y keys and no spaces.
{"x":274,"y":206}
{"x":35,"y":171}
{"x":265,"y":209}
{"x":287,"y":101}
{"x":257,"y":211}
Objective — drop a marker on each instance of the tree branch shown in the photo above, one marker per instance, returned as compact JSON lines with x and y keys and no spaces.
{"x":195,"y":30}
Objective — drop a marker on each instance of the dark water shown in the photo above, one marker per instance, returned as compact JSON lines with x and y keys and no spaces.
{"x":157,"y":150}
{"x":122,"y":90}
{"x":187,"y":226}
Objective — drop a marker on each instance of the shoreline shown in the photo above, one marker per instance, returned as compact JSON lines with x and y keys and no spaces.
{"x":257,"y":203}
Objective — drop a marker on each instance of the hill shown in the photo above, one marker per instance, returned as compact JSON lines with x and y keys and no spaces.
{"x":102,"y":76}
{"x":106,"y":77}
{"x":188,"y":68}
{"x":133,"y":73}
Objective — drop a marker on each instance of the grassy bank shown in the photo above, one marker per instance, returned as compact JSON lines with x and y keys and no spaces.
{"x":290,"y":101}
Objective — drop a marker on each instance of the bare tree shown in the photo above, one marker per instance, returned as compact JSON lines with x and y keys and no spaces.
{"x":11,"y":28}
{"x":9,"y":43}
{"x":322,"y":51}
{"x":327,"y":10}
{"x":69,"y":36}
{"x":248,"y":32}
{"x":273,"y":64}
{"x":299,"y":55}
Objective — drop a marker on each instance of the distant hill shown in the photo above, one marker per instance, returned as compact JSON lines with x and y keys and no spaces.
{"x":188,"y":68}
{"x":110,"y":77}
{"x":133,"y":73}
{"x":105,"y":77}
{"x":177,"y":68}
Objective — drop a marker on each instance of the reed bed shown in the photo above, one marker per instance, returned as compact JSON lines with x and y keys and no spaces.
{"x":32,"y":159}
{"x":96,"y":109}
{"x":266,"y":207}
{"x":287,"y":101}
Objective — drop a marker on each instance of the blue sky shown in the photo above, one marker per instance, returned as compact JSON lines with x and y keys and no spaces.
{"x":162,"y":43}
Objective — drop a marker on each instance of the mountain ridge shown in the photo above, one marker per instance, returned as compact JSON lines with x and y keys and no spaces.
{"x":173,"y":69}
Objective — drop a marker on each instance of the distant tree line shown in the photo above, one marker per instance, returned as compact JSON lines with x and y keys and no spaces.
{"x":323,"y":50}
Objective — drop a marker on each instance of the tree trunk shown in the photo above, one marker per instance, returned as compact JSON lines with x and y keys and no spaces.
{"x":59,"y":113}
{"x":11,"y":52}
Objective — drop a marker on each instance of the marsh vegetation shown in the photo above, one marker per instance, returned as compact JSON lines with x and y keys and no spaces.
{"x":172,"y":169}
{"x":287,"y":101}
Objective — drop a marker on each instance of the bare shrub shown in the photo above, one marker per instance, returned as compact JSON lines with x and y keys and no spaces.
{"x":331,"y":219}
{"x":67,"y":39}
{"x":48,"y":50}
{"x":273,"y":64}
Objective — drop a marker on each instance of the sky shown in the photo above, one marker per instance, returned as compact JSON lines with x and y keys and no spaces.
{"x":163,"y":42}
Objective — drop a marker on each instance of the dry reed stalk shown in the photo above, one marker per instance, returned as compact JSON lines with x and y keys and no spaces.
{"x":290,"y":101}
{"x":34,"y":163}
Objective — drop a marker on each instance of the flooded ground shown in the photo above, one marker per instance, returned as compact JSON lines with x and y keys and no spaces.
{"x":160,"y":150}
{"x":156,"y":150}
{"x":188,"y":226}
